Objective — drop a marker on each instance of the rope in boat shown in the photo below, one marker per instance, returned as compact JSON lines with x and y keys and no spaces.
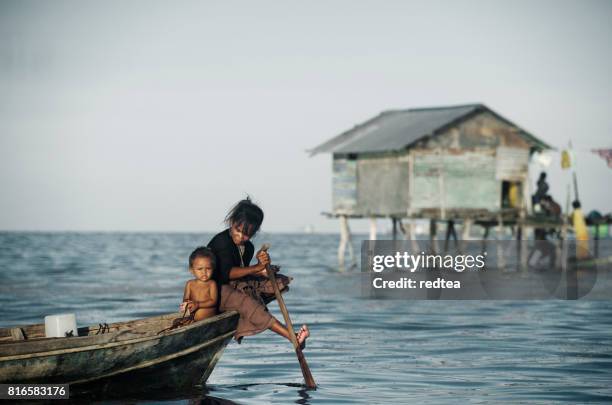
{"x":180,"y":322}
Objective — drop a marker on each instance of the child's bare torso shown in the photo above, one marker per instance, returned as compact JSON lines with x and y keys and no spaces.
{"x":202,"y":291}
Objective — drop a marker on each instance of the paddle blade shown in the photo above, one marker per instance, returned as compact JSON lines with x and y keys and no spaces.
{"x":308,"y":378}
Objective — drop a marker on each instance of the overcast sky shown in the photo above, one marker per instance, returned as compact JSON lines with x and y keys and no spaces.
{"x":158,"y":116}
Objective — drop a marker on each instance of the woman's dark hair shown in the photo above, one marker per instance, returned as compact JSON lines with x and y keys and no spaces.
{"x":202,"y":251}
{"x":246,"y":215}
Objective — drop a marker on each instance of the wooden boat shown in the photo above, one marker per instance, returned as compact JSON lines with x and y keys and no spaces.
{"x":120,"y":357}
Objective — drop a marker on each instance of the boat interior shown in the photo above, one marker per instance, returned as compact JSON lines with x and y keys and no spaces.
{"x":31,"y":338}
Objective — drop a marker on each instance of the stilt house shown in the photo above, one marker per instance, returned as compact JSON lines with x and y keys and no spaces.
{"x":444,"y":163}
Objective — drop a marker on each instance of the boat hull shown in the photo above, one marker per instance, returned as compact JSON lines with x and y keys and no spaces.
{"x":178,"y":358}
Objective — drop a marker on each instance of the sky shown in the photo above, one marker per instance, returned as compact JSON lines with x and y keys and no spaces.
{"x":159,"y":116}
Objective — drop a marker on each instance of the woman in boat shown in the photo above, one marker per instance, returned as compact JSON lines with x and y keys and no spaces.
{"x":243,"y":287}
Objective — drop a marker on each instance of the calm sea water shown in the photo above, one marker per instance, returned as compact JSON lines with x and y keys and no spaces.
{"x":361,"y":350}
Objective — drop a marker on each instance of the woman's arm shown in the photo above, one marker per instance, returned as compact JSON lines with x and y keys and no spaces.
{"x":239,"y":272}
{"x":263,"y":259}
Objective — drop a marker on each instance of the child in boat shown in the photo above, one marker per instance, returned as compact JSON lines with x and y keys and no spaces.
{"x":201,"y":293}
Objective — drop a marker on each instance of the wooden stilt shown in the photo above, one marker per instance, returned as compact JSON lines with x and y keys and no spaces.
{"x":465,"y":234}
{"x":433,"y":239}
{"x":372,"y":228}
{"x":527,"y":208}
{"x":467,"y":228}
{"x":519,"y":232}
{"x":485,"y":236}
{"x":344,"y":240}
{"x":564,"y":248}
{"x":441,"y":188}
{"x":402,"y":229}
{"x":596,"y":240}
{"x":522,"y":237}
{"x":450,"y":232}
{"x":558,"y":253}
{"x":414,"y":244}
{"x":349,"y":243}
{"x":501,"y":260}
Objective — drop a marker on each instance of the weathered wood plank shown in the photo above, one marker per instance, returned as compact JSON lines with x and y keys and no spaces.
{"x":344,"y":185}
{"x":383,"y":185}
{"x":511,"y":163}
{"x":91,"y":358}
{"x":469,"y":181}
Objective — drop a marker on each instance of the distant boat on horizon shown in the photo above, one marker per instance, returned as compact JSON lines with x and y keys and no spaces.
{"x":309,"y":229}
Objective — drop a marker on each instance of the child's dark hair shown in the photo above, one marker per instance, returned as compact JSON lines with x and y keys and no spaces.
{"x":202,"y":251}
{"x":247,"y":215}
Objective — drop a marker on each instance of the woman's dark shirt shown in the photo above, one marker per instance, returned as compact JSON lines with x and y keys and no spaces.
{"x":228,"y":256}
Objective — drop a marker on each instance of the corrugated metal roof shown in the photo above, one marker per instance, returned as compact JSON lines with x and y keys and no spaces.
{"x":395,"y":130}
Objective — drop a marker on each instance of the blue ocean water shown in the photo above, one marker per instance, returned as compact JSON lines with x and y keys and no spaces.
{"x":361,"y":350}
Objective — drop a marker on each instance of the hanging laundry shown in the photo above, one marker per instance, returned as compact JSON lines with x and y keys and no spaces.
{"x":605,"y":154}
{"x":565,"y":160}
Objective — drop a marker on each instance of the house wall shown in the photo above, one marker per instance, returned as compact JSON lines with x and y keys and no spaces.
{"x":446,"y":181}
{"x":344,"y":185}
{"x":460,"y":169}
{"x":512,"y":163}
{"x":382,"y":185}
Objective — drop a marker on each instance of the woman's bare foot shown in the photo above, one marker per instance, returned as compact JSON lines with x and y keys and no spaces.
{"x":302,"y":335}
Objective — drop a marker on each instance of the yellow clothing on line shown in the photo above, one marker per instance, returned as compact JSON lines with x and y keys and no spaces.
{"x":582,"y":234}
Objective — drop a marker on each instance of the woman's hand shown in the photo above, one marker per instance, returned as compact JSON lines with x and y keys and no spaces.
{"x":263,"y":258}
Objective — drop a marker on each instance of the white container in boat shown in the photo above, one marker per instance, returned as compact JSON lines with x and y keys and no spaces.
{"x":60,"y":325}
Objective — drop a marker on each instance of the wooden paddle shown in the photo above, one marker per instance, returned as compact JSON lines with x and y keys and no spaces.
{"x":308,"y":379}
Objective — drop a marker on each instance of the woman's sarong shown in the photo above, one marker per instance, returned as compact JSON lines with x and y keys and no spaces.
{"x":254,"y":318}
{"x":260,"y":288}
